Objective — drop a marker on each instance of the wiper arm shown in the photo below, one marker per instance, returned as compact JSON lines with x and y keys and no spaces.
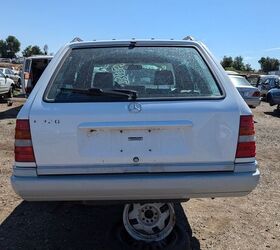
{"x":101,"y":92}
{"x":130,"y":92}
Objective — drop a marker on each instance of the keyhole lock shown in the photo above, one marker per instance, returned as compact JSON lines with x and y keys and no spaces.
{"x":135,"y":159}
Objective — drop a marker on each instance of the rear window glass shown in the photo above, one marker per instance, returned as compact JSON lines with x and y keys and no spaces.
{"x":112,"y":74}
{"x":239,"y":81}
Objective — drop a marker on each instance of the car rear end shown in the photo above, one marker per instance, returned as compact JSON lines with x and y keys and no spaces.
{"x":134,"y":121}
{"x":249,"y":93}
{"x":273,"y":96}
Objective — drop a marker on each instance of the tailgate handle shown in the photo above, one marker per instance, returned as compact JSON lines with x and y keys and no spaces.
{"x":136,"y":125}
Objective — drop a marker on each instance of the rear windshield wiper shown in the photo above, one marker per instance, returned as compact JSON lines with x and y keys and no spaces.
{"x":130,"y":94}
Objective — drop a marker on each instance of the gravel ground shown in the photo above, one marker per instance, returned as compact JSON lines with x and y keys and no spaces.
{"x":251,"y":222}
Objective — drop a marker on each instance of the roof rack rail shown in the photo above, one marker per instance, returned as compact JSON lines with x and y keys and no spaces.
{"x":76,"y":39}
{"x":190,"y":38}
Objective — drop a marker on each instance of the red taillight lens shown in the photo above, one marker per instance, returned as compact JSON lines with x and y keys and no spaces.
{"x":22,"y":130}
{"x":24,"y":154}
{"x":246,"y":147}
{"x":23,"y":144}
{"x":246,"y":125}
{"x":256,"y":94}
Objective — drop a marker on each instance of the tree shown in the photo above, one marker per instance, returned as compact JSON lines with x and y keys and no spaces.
{"x":9,"y":47}
{"x":227,"y":62}
{"x":3,"y":49}
{"x":248,"y":67}
{"x":31,"y":51}
{"x":12,"y":46}
{"x":238,"y":63}
{"x":46,"y":48}
{"x":269,"y":64}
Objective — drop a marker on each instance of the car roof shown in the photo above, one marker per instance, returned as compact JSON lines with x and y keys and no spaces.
{"x":269,"y":76}
{"x":127,"y":42}
{"x":39,"y":57}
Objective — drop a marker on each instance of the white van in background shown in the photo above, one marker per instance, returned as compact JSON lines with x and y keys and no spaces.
{"x":33,"y":67}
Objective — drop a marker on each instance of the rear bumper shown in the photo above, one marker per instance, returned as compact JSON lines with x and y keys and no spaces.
{"x":132,"y":187}
{"x":254,"y":102}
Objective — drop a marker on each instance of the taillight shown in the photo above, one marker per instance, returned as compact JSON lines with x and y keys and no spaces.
{"x":246,"y":147}
{"x":256,"y":94}
{"x":23,"y":144}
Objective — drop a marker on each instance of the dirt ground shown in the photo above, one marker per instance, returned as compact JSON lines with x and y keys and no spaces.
{"x":251,"y":222}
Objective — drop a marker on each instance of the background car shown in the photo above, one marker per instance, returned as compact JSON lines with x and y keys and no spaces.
{"x":33,"y":68}
{"x":10,"y":73}
{"x":6,"y":86}
{"x":250,"y":94}
{"x":6,"y":60}
{"x":266,"y":83}
{"x":273,"y":97}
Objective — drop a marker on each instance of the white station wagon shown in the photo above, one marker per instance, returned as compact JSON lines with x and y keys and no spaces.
{"x":142,"y":122}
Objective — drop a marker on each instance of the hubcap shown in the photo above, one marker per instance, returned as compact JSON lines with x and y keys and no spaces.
{"x":149,"y":222}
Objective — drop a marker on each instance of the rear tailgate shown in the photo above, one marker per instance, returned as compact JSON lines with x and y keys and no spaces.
{"x":165,"y":136}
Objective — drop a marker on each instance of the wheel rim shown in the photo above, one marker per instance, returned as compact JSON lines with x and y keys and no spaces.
{"x":150,"y":221}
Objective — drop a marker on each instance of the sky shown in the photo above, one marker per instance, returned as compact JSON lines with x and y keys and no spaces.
{"x":249,"y":28}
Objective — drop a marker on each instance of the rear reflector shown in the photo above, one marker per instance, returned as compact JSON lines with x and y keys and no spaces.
{"x":246,"y":125}
{"x":23,"y":144}
{"x":246,"y":147}
{"x":22,"y":130}
{"x":24,"y":154}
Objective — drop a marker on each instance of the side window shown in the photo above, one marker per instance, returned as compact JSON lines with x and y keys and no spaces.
{"x":266,"y":82}
{"x":27,"y":65}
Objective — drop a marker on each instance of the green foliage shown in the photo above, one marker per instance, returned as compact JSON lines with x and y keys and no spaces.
{"x":3,"y":48}
{"x":31,"y":51}
{"x":248,"y":67}
{"x":9,"y":47}
{"x":238,"y":63}
{"x":227,"y":62}
{"x":235,"y":64}
{"x":269,"y":64}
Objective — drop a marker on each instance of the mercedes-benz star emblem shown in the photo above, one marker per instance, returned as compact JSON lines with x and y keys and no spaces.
{"x":134,"y":107}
